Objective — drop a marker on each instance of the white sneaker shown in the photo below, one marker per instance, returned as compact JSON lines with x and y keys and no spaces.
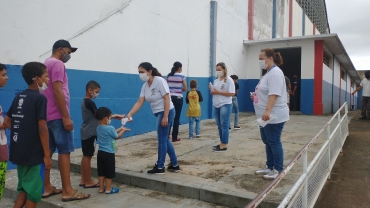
{"x":263,"y":171}
{"x":198,"y":136}
{"x":272,"y":175}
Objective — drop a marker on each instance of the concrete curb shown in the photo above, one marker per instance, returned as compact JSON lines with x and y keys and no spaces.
{"x":198,"y":191}
{"x":13,"y":194}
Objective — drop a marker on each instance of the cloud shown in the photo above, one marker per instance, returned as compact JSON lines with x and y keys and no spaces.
{"x":349,"y":20}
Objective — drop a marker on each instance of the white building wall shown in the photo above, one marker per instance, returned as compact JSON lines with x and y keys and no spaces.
{"x":327,"y":74}
{"x":336,"y":73}
{"x":232,"y":28}
{"x":307,"y":64}
{"x":308,"y":26}
{"x":158,"y":31}
{"x":297,"y":19}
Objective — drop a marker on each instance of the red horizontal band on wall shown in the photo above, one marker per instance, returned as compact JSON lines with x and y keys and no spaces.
{"x":318,"y":106}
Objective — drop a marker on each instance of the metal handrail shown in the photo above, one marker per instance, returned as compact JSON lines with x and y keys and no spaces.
{"x":258,"y":199}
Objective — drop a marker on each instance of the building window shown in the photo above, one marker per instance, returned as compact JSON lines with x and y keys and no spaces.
{"x":343,"y":74}
{"x":327,"y":59}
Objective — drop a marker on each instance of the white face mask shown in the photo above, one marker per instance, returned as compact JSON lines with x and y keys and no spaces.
{"x":43,"y":87}
{"x":109,"y":120}
{"x":144,"y":77}
{"x":94,"y":95}
{"x":262,"y":64}
{"x":219,"y":74}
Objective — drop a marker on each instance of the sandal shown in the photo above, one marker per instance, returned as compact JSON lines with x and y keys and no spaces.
{"x":54,"y":192}
{"x":176,"y":140}
{"x":113,"y":191}
{"x":93,"y":186}
{"x":76,"y":196}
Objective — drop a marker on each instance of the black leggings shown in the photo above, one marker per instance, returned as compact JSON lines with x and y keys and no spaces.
{"x":177,"y":102}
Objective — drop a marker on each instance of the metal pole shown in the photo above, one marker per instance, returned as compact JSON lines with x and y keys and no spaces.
{"x":329,"y":163}
{"x":305,"y":192}
{"x":212,"y":51}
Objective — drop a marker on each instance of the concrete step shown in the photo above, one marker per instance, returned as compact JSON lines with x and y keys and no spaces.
{"x":128,"y":196}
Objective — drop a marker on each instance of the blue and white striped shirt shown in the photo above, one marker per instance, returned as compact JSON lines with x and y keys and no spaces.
{"x":175,"y":84}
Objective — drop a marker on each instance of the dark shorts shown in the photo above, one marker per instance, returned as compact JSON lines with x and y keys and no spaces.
{"x":59,"y":138}
{"x":106,"y":164}
{"x":31,"y":181}
{"x":88,"y":146}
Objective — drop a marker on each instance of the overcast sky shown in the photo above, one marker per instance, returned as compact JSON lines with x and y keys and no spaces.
{"x":350,"y":20}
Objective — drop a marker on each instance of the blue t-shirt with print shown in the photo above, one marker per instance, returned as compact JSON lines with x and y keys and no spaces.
{"x":106,"y":136}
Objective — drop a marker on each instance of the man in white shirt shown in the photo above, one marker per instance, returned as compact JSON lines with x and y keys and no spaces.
{"x":365,"y":101}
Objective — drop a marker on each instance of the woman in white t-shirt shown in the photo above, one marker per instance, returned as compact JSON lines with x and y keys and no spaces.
{"x":269,"y":99}
{"x":155,"y":90}
{"x":222,"y":91}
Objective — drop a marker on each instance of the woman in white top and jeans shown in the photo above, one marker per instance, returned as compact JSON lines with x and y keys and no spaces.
{"x":270,"y":98}
{"x":155,"y":90}
{"x":223,"y":90}
{"x":177,"y":84}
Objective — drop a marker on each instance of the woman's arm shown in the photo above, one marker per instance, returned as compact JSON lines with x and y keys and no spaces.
{"x":270,"y":104}
{"x":136,"y":107}
{"x":185,"y":86}
{"x":167,"y":101}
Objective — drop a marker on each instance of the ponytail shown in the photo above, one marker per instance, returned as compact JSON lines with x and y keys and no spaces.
{"x":175,"y":67}
{"x":278,"y":60}
{"x":148,"y":66}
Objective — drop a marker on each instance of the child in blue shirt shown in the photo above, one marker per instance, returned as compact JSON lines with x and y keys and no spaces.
{"x":106,"y":139}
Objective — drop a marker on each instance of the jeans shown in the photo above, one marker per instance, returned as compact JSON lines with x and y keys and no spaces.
{"x":271,"y":135}
{"x":236,"y":111}
{"x":191,"y":126}
{"x":294,"y":100}
{"x":365,"y":107}
{"x":59,"y":137}
{"x":164,"y":144}
{"x":222,"y":116}
{"x":177,"y":103}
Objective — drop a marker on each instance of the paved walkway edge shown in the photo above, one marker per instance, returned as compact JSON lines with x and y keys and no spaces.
{"x":13,"y":194}
{"x":176,"y":188}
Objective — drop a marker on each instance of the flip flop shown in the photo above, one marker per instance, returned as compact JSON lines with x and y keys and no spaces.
{"x":76,"y":196}
{"x":81,"y":185}
{"x":93,"y":186}
{"x":54,"y":192}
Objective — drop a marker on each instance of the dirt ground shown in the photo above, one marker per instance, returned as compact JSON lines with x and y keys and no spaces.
{"x":349,"y":185}
{"x":231,"y":171}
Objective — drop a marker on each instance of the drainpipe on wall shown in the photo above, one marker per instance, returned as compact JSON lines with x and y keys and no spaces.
{"x":274,"y":19}
{"x":303,"y":22}
{"x":332,"y":86}
{"x":345,"y":95}
{"x":212,"y":52}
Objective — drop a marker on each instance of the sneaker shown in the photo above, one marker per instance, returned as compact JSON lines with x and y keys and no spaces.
{"x":229,"y":128}
{"x":263,"y":171}
{"x":236,"y":127}
{"x":217,"y":146}
{"x":218,"y":149}
{"x":156,"y":170}
{"x":190,"y":137}
{"x":197,"y":136}
{"x":272,"y":175}
{"x":173,"y":169}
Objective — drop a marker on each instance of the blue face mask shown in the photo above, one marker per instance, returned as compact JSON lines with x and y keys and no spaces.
{"x":65,"y":57}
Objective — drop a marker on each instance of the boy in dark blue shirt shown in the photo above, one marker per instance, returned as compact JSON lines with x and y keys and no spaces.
{"x":29,"y":143}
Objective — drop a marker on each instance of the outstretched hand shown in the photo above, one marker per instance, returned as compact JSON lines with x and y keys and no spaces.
{"x":118,"y":116}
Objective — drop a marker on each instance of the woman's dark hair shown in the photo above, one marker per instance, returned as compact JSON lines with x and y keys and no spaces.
{"x":2,"y":67}
{"x":31,"y":70}
{"x":278,"y":60}
{"x":148,"y":66}
{"x":175,"y":67}
{"x":103,"y":112}
{"x":193,"y":84}
{"x":367,"y":74}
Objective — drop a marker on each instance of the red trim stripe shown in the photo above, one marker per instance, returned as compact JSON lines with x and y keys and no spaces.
{"x":318,"y":106}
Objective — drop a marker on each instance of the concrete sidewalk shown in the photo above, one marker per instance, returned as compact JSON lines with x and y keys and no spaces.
{"x":349,"y":185}
{"x":225,"y":179}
